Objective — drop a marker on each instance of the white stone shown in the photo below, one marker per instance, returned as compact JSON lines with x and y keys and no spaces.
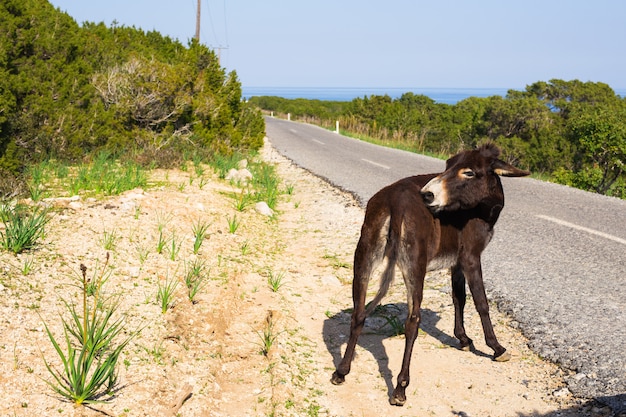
{"x":75,"y":205}
{"x":560,"y":393}
{"x":231,"y":174}
{"x":241,"y":175}
{"x":262,"y":208}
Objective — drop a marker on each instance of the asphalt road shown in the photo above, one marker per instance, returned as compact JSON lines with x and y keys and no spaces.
{"x":557,"y":262}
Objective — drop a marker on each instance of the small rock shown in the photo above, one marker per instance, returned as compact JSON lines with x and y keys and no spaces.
{"x":2,"y":287}
{"x":262,"y":208}
{"x":133,"y":271}
{"x":241,"y":175}
{"x":75,"y":205}
{"x":231,"y":174}
{"x":561,"y":393}
{"x":242,"y":164}
{"x":128,"y":206}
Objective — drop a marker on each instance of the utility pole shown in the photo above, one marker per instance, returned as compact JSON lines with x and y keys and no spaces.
{"x":219,"y":52}
{"x":197,"y":37}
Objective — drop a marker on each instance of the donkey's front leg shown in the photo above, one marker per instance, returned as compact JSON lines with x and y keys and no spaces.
{"x":459,"y":297}
{"x":477,"y":287}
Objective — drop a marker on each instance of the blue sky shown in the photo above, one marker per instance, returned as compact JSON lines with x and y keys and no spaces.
{"x":391,"y":43}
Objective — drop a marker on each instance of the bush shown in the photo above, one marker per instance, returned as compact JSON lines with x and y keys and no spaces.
{"x":80,"y":90}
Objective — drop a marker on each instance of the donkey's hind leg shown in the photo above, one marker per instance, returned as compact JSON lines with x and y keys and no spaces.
{"x":413,"y":266}
{"x":369,"y":253}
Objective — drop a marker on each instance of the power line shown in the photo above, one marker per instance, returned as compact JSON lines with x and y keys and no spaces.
{"x":225,"y":24}
{"x":208,"y":5}
{"x":197,"y":36}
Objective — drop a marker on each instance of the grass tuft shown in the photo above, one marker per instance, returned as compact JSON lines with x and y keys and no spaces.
{"x":233,"y":224}
{"x":275,"y":280}
{"x":90,"y":354}
{"x":196,"y":275}
{"x":22,"y":227}
{"x":268,"y":334}
{"x":200,"y":232}
{"x":165,"y":293}
{"x":109,"y":239}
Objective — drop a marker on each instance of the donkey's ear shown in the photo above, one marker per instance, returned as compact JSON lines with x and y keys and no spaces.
{"x":506,"y":170}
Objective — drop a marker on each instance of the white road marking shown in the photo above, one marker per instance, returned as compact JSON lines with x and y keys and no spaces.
{"x":375,"y":163}
{"x":582,"y":228}
{"x":319,"y":141}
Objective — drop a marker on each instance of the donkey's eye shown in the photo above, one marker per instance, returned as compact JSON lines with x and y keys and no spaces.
{"x":468,"y":173}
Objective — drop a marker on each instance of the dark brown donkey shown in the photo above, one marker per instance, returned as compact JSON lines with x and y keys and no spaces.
{"x":429,"y":222}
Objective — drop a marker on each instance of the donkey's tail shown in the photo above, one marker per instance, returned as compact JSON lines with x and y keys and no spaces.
{"x":391,"y":252}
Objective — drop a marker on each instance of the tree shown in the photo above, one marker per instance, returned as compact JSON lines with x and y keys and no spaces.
{"x":564,"y":96}
{"x":67,"y":91}
{"x":601,"y":137}
{"x":572,"y":131}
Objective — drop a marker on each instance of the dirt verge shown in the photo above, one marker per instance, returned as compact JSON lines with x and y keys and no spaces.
{"x":205,"y":359}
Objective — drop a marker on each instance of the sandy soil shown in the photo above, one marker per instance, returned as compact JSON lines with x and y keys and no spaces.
{"x":204,"y":359}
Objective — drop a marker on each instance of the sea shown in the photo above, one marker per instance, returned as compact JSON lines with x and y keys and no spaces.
{"x":439,"y":95}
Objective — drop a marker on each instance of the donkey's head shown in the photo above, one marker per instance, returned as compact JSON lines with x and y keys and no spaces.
{"x":470,"y":178}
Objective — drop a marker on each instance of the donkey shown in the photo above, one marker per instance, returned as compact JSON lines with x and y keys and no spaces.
{"x":424,"y":223}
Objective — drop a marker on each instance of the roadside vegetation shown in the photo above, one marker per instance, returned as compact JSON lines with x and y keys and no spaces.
{"x":92,"y":93}
{"x":570,"y":132}
{"x":96,"y":331}
{"x":88,"y":112}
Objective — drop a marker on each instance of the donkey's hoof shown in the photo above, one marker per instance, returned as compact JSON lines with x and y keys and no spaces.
{"x":503,"y":357}
{"x":397,"y":400}
{"x":337,"y":379}
{"x":469,"y":347}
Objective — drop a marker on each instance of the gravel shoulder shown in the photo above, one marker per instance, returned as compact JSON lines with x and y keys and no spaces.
{"x":204,"y":359}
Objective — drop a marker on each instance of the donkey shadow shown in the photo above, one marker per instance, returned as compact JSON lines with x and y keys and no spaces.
{"x":386,"y":321}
